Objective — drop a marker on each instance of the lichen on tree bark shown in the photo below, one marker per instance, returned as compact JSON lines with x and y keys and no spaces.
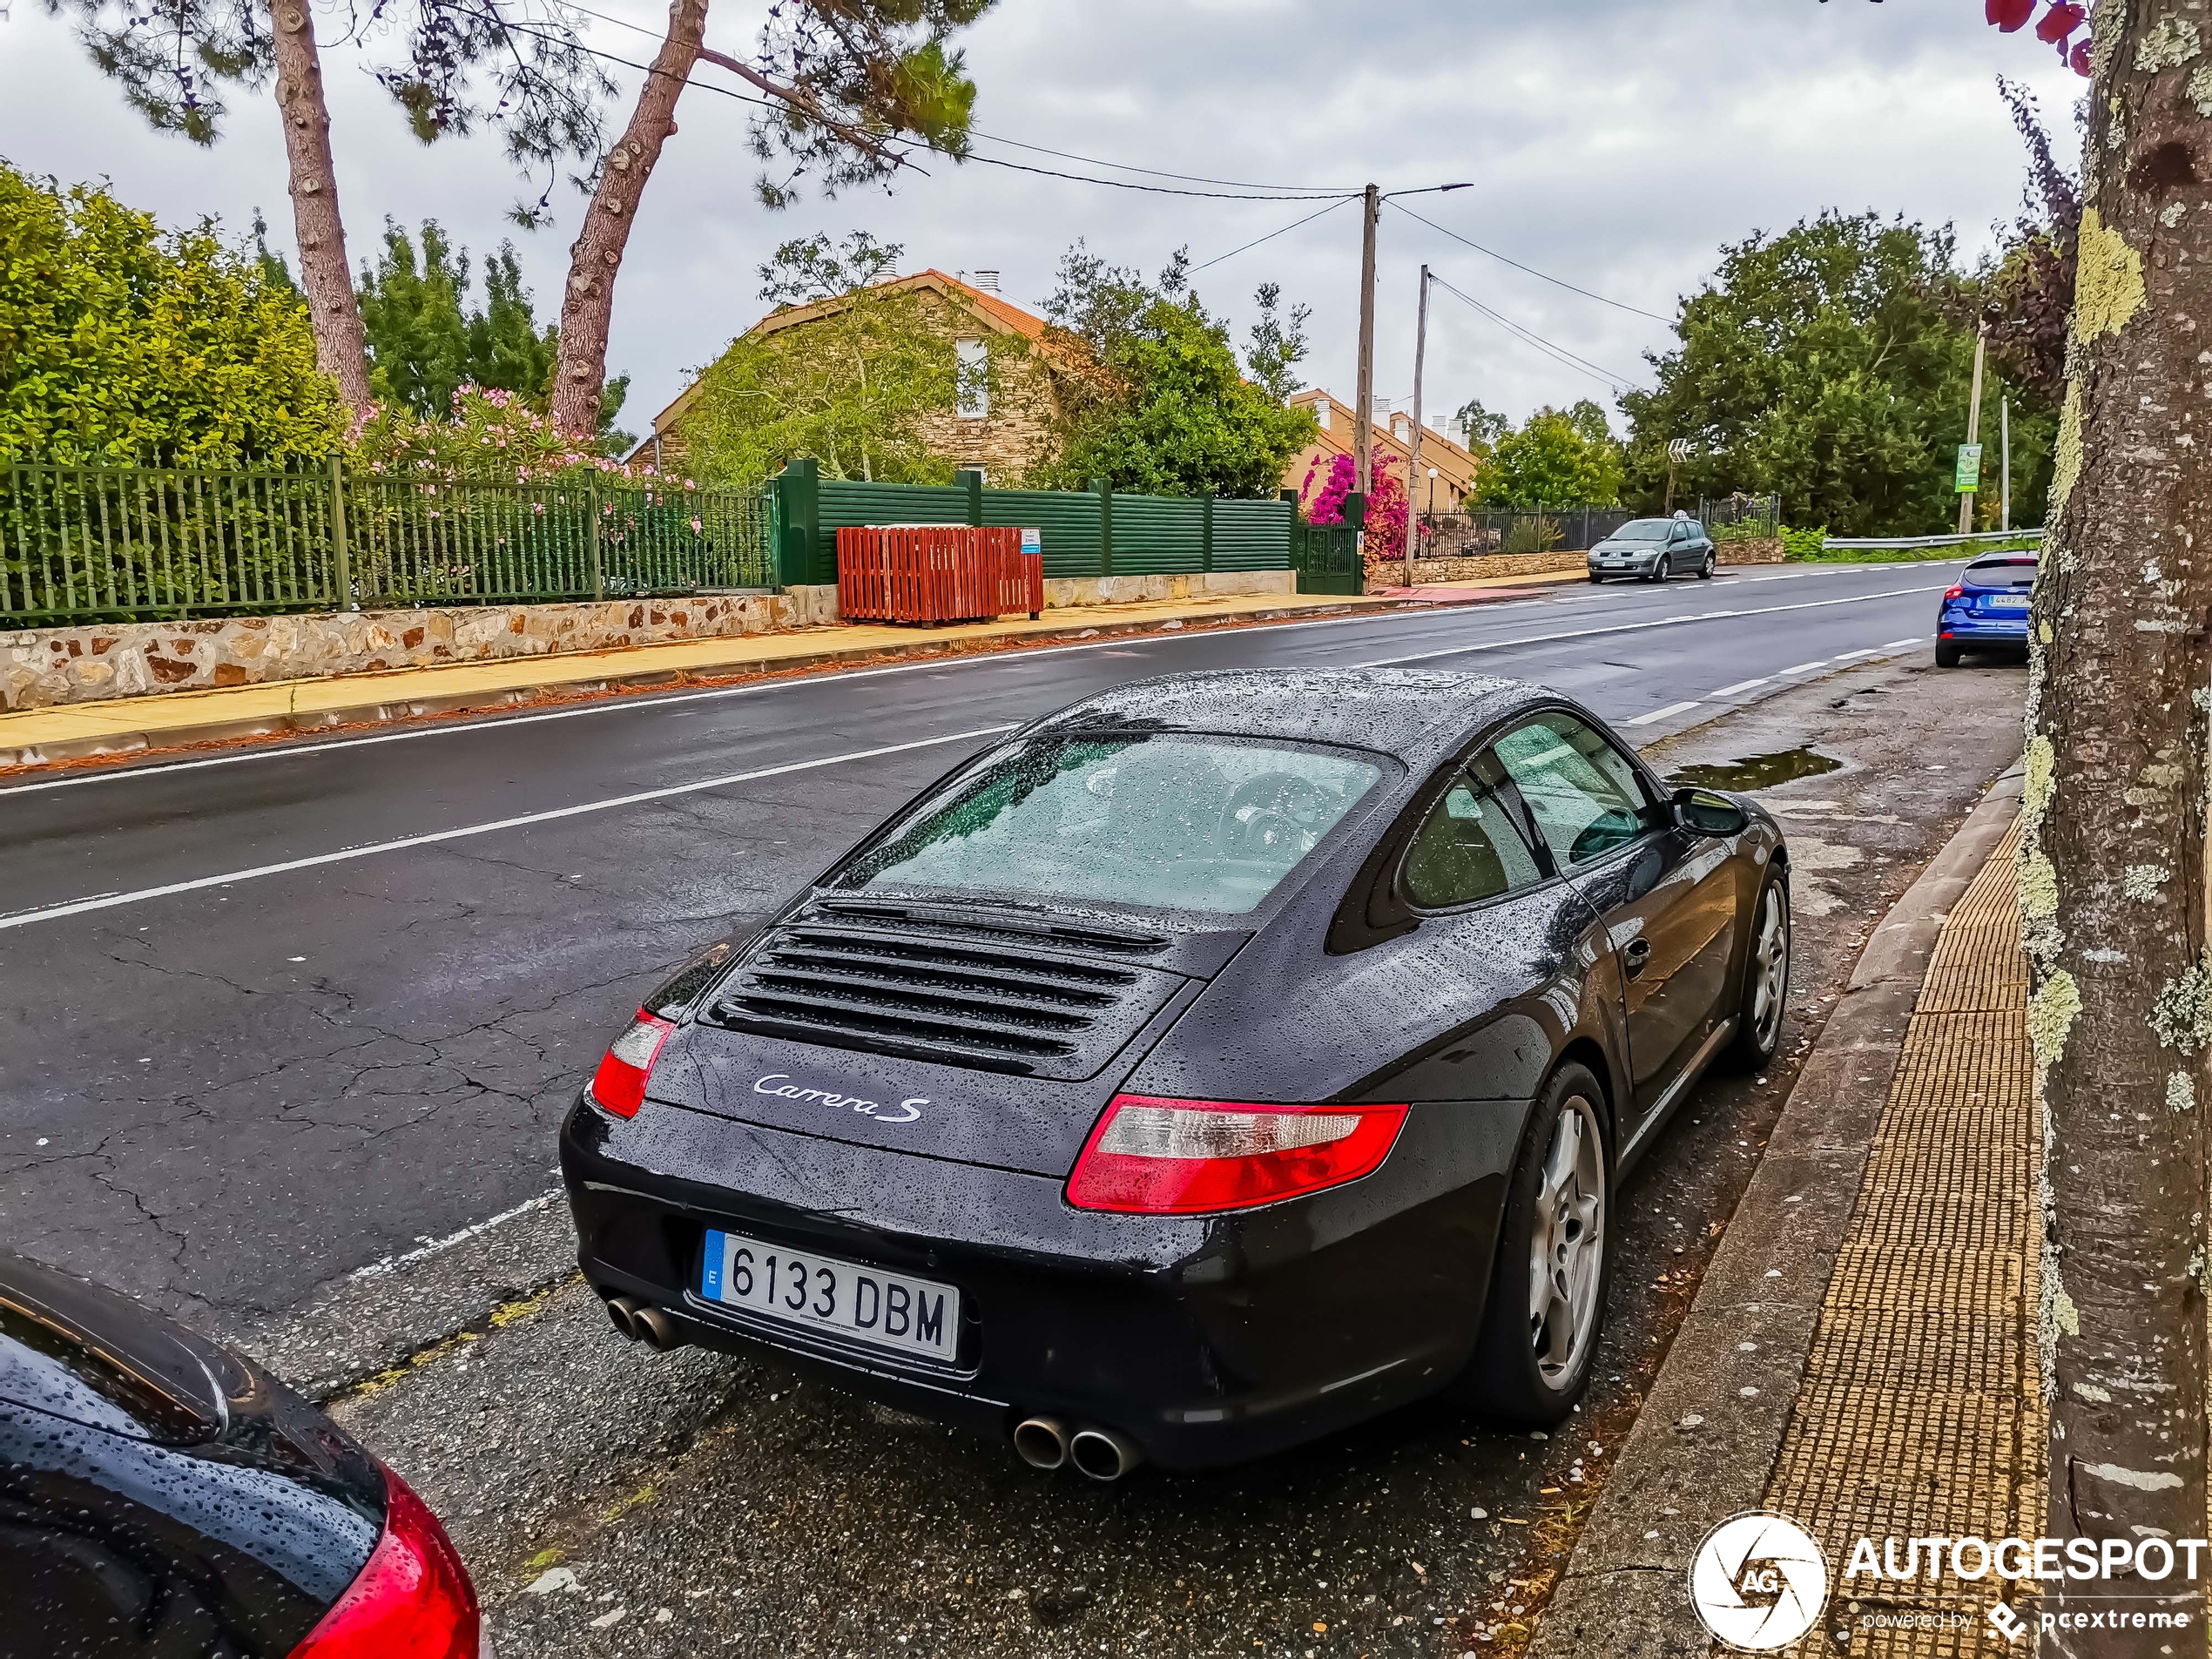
{"x":2115,"y":795}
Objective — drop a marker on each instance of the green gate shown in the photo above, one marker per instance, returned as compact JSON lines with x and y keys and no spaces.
{"x":1326,"y":557}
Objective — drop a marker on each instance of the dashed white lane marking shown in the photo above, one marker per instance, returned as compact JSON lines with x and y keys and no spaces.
{"x":1740,"y":686}
{"x":1899,"y":644}
{"x":1672,"y":709}
{"x":110,"y":900}
{"x":1799,"y":668}
{"x":1478,"y":647}
{"x":1853,"y":656}
{"x":430,"y":1247}
{"x":1661,"y":714}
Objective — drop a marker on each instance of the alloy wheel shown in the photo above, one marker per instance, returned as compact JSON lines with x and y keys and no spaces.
{"x":1769,"y":965}
{"x":1567,"y":1244}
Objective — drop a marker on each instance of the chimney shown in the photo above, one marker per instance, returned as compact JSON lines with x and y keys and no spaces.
{"x":1401,"y":427}
{"x":986,"y":280}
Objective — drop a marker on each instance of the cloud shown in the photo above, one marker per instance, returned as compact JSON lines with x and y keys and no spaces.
{"x":1614,"y":144}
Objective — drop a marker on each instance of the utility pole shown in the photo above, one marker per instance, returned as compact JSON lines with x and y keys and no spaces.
{"x":2004,"y":432}
{"x":1361,"y":457}
{"x":1974,"y":425}
{"x":1413,"y":447}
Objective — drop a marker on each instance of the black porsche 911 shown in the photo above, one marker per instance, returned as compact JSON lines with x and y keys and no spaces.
{"x":1220,"y":1060}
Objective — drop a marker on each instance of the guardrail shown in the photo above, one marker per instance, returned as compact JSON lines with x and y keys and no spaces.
{"x":1932,"y":541}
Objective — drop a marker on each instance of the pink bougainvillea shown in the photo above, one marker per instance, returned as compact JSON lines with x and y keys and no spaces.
{"x":2058,"y":28}
{"x":1327,"y":506}
{"x":1386,"y":514}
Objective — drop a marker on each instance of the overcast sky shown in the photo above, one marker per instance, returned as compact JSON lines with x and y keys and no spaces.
{"x":1615,"y":143}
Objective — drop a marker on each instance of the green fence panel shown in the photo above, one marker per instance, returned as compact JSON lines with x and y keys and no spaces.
{"x":1068,"y":519}
{"x":1156,"y":535}
{"x":1252,"y":535}
{"x":91,"y":543}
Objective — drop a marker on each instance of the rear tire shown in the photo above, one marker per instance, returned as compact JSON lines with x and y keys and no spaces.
{"x":1554,"y":1266}
{"x":1766,"y":978}
{"x":1946,"y":654}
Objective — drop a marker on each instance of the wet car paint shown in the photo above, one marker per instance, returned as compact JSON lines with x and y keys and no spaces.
{"x":159,"y":1495}
{"x":1207,"y":1338}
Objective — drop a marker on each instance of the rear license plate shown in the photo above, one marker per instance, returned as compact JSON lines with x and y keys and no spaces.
{"x":2006,"y":601}
{"x":822,"y":1294}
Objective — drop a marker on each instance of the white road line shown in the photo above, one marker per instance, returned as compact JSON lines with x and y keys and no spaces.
{"x":1817,"y":661}
{"x":438,"y":1246}
{"x":933,"y":664}
{"x":1639,"y":627}
{"x":109,"y":901}
{"x":1853,"y":656}
{"x":1899,"y":644}
{"x":1671,"y":710}
{"x":1740,"y":686}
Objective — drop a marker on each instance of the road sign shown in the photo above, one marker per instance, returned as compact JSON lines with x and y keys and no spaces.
{"x":1969,"y":469}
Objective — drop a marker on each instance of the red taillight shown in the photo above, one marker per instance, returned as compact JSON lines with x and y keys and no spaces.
{"x":1178,"y":1157}
{"x":413,"y":1601}
{"x":619,"y":1084}
{"x":1955,"y":593}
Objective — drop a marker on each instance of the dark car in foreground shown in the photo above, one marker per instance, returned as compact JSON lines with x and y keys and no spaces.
{"x":163,"y":1498}
{"x":1987,"y":608}
{"x":1655,"y":549}
{"x":1219,"y":1062}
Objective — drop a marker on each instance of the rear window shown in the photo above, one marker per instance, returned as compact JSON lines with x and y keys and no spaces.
{"x":1171,"y":821}
{"x":2016,"y":571}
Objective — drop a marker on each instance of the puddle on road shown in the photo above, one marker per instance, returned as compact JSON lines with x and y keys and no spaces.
{"x":1756,"y":772}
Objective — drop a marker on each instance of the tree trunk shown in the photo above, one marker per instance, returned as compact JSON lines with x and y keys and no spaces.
{"x":341,"y":349}
{"x":596,"y":258}
{"x":2112,"y":865}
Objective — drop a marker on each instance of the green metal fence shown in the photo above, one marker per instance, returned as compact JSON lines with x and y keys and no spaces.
{"x":1095,"y":532}
{"x":86,"y":543}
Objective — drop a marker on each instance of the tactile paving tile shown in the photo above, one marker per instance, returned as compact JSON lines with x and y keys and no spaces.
{"x":1921,"y":1410}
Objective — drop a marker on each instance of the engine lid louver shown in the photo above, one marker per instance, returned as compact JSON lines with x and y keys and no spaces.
{"x":959,"y":994}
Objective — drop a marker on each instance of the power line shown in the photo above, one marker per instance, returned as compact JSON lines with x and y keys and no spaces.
{"x":1272,"y":193}
{"x":1550,"y":348}
{"x":1270,"y":235}
{"x":1617,"y":304}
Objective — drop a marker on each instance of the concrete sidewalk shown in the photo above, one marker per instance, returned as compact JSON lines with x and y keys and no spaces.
{"x":1861,"y":1354}
{"x":128,"y":725}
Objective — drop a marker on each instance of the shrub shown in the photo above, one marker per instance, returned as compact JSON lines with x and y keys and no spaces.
{"x":1803,"y":545}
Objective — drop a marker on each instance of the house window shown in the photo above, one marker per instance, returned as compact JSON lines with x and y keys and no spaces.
{"x":972,"y":360}
{"x":1321,"y":412}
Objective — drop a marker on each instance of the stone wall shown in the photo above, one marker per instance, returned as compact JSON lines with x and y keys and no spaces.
{"x":1478,"y":567}
{"x":1139,"y":589}
{"x":92,"y":662}
{"x":1765,"y":552}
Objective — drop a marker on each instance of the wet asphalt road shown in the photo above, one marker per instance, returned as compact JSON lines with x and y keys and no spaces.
{"x":269,"y":1015}
{"x":695,"y":1504}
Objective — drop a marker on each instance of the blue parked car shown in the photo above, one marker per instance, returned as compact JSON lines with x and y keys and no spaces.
{"x":1987,"y":609}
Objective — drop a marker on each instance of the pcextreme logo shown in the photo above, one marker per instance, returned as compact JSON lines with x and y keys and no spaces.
{"x":1758,"y":1582}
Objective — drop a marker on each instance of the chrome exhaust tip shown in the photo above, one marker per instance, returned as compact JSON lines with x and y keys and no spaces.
{"x":1103,"y":1454}
{"x":657,"y":1331}
{"x":623,"y":1313}
{"x":1041,"y":1442}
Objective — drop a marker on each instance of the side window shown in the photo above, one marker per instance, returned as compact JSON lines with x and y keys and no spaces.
{"x":1466,"y":849}
{"x":1582,"y":792}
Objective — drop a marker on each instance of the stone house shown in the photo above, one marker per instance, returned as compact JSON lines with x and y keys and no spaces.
{"x":1001,"y":434}
{"x":1448,"y":468}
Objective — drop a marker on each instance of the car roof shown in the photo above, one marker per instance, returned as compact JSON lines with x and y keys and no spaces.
{"x":1418,"y":715}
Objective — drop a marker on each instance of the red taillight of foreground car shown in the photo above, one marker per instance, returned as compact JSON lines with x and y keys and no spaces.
{"x":619,"y":1084}
{"x":1180,"y":1158}
{"x":413,"y":1601}
{"x":1954,"y":593}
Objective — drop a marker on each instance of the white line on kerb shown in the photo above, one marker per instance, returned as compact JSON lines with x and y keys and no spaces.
{"x":1899,"y":644}
{"x":1817,"y":661}
{"x":109,"y":901}
{"x":438,"y":1246}
{"x":1853,"y":656}
{"x":1740,"y":686}
{"x":1661,"y":714}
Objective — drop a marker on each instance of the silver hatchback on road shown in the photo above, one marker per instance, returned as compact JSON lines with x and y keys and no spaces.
{"x":1652,"y":550}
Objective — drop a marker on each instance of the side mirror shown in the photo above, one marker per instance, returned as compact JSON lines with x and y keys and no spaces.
{"x":1703,"y":813}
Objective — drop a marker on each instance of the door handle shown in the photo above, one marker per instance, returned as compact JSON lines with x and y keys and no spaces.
{"x":1636,"y":954}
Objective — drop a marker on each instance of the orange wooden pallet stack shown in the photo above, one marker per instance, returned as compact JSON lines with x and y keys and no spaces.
{"x":934,"y":573}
